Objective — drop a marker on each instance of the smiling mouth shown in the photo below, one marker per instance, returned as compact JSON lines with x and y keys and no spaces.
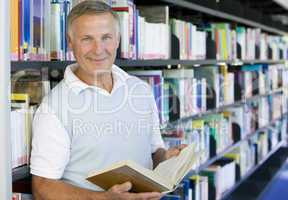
{"x":96,"y":60}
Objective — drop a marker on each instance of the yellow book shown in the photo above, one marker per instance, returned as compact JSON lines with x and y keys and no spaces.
{"x":224,"y":42}
{"x":164,"y":178}
{"x":234,"y":156}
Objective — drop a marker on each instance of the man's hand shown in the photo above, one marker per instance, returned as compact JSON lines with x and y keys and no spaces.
{"x":121,"y":191}
{"x":162,"y":154}
{"x":174,"y":151}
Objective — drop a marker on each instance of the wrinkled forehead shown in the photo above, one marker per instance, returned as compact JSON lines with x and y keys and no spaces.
{"x":94,"y":26}
{"x":97,"y":20}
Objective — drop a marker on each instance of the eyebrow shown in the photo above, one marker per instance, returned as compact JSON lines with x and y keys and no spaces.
{"x":107,"y":34}
{"x":86,"y":36}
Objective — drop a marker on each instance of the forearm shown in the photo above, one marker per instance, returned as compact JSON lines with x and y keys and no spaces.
{"x":158,"y":156}
{"x":47,"y":189}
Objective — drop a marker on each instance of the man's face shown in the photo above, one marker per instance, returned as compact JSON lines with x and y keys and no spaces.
{"x":94,"y":40}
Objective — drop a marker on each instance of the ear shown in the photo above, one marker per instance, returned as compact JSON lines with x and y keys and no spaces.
{"x":69,"y":40}
{"x":118,"y":39}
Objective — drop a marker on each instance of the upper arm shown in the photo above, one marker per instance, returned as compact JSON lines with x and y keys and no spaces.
{"x":50,"y":145}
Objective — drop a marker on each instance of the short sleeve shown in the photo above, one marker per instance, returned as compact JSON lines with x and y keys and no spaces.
{"x":157,"y":141}
{"x":50,"y":144}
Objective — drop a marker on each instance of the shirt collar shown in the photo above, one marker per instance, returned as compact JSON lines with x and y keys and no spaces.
{"x":74,"y":83}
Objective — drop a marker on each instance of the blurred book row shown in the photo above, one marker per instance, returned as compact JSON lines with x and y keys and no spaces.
{"x":218,"y":178}
{"x":39,"y":28}
{"x":257,"y":96}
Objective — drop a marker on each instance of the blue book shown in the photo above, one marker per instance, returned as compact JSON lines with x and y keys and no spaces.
{"x":26,"y":30}
{"x":186,"y":186}
{"x":199,"y":95}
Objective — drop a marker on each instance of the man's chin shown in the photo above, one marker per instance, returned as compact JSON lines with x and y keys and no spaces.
{"x":101,"y":70}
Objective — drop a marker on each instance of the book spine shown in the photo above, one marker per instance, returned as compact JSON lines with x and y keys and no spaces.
{"x":55,"y":41}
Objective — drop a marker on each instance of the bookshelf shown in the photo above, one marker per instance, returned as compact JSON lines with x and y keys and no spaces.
{"x":209,"y":7}
{"x":233,"y":146}
{"x":231,"y":10}
{"x":5,"y":142}
{"x":18,"y":65}
{"x":23,"y":171}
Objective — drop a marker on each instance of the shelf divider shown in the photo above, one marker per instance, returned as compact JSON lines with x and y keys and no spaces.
{"x":5,"y":141}
{"x":21,"y":65}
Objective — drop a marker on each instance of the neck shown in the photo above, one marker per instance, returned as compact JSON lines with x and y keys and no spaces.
{"x":101,"y":80}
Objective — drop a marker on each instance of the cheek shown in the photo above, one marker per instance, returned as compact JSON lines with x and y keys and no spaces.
{"x":112,"y":47}
{"x":82,"y":49}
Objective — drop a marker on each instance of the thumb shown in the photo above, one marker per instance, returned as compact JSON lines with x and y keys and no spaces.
{"x":120,"y":188}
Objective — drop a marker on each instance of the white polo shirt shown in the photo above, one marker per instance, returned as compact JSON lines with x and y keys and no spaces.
{"x":80,"y":128}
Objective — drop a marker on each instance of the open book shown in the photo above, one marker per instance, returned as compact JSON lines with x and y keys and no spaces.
{"x":164,"y":178}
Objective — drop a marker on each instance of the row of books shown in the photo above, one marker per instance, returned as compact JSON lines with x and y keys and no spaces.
{"x":38,"y":29}
{"x":186,"y":92}
{"x":38,"y":32}
{"x":213,"y":133}
{"x":174,"y":38}
{"x":246,"y":43}
{"x":216,"y":180}
{"x":178,"y":93}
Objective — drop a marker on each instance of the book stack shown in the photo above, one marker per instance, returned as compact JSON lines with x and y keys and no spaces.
{"x":153,"y":32}
{"x":192,"y":42}
{"x":21,"y":114}
{"x":220,"y":85}
{"x":221,"y":177}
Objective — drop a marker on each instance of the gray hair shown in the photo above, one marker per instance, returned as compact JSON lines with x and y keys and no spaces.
{"x":91,"y":7}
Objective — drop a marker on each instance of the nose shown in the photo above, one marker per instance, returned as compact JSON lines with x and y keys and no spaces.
{"x":97,"y":47}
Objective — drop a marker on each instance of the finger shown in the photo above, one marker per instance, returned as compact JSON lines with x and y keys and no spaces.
{"x":125,"y":187}
{"x":173,"y":152}
{"x":161,"y":195}
{"x":182,"y":146}
{"x":155,"y":198}
{"x":146,"y":195}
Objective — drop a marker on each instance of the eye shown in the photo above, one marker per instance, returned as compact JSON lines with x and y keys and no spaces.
{"x":107,"y":37}
{"x":85,"y":39}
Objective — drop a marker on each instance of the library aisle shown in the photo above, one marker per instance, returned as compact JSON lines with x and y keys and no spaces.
{"x":277,"y":188}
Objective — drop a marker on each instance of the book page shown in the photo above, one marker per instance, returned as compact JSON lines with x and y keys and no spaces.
{"x":142,"y":179}
{"x":177,"y":167}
